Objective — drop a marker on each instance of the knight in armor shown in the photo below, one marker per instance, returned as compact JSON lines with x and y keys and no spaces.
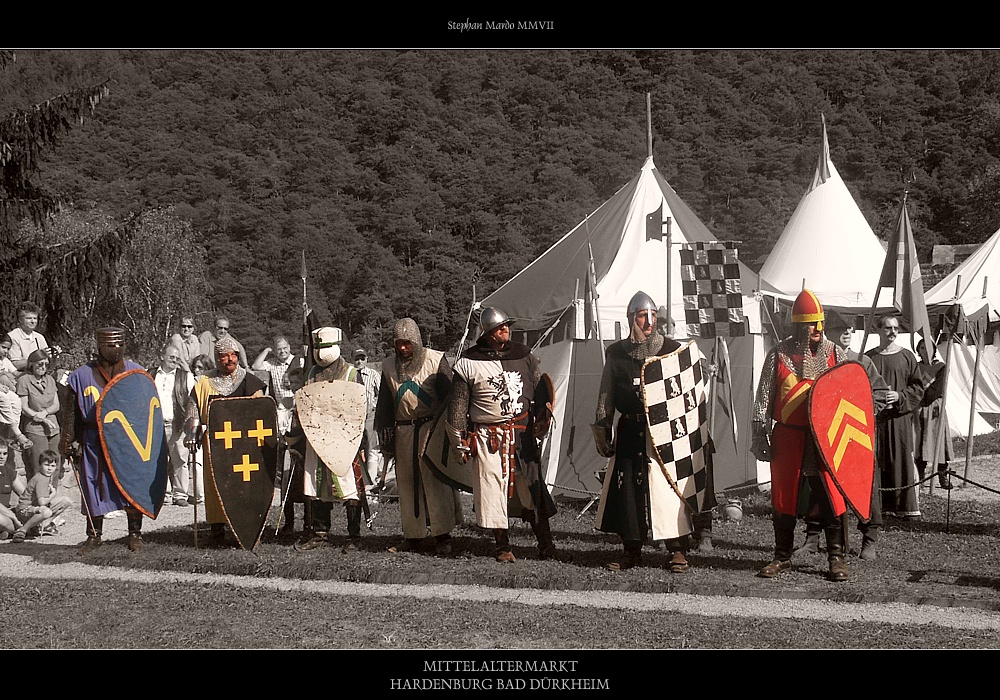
{"x":782,"y":435}
{"x":321,"y":486}
{"x":229,"y":379}
{"x":495,"y":421}
{"x":636,"y":496}
{"x":413,"y":393}
{"x":80,"y":438}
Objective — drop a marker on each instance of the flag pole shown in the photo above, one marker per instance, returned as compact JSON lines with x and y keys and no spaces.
{"x":593,"y":284}
{"x":980,"y":346}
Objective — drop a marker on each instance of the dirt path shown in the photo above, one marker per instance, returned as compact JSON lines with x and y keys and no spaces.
{"x":18,"y":566}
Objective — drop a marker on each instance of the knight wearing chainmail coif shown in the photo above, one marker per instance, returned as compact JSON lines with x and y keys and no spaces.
{"x":635,"y":495}
{"x":414,"y":391}
{"x":799,"y":483}
{"x":230,"y":379}
{"x":495,"y":420}
{"x":81,"y":437}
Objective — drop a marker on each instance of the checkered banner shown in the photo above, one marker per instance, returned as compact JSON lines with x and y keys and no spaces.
{"x":710,"y":281}
{"x":675,"y":394}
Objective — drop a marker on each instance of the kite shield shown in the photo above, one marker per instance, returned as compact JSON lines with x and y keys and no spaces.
{"x":130,"y":427}
{"x":842,"y":416}
{"x":675,"y":397}
{"x":332,"y":415}
{"x":445,"y":462}
{"x":243,"y":452}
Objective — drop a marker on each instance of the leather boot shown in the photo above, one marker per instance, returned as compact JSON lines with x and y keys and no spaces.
{"x":811,"y":545}
{"x":944,"y":478}
{"x":503,"y":553}
{"x":835,"y":553}
{"x":869,"y":542}
{"x":98,"y":527}
{"x":784,"y":538}
{"x":703,"y":533}
{"x":442,"y":545}
{"x":543,"y":534}
{"x":353,"y":509}
{"x":633,"y":557}
{"x":134,"y":539}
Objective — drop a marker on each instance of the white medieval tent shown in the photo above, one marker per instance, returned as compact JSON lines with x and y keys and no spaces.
{"x":975,"y":286}
{"x":546,"y":300}
{"x":827,"y":247}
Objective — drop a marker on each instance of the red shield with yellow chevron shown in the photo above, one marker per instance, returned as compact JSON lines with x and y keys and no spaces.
{"x":842,"y":416}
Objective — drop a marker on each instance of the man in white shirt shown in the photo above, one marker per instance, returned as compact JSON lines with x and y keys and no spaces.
{"x":25,"y":339}
{"x":188,"y":342}
{"x":174,"y":385}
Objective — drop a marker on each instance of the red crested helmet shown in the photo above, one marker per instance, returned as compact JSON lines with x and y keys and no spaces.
{"x":807,"y":309}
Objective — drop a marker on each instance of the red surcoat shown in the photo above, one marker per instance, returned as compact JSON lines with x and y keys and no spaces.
{"x":790,"y":449}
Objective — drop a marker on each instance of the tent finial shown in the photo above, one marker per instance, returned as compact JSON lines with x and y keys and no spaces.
{"x":649,"y":125}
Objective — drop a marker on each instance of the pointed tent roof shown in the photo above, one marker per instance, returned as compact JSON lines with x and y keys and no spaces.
{"x":624,"y":259}
{"x":981,"y":267}
{"x":828,"y":243}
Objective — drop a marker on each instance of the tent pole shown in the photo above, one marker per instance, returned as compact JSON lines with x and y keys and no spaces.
{"x":670,"y":311}
{"x":468,"y":320}
{"x":942,"y":428}
{"x":980,"y":346}
{"x":972,"y":408}
{"x":597,"y":307}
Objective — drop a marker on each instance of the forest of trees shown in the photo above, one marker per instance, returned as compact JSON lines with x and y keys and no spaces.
{"x":409,"y":176}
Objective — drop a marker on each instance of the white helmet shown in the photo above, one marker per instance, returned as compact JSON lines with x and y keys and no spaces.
{"x":326,"y":345}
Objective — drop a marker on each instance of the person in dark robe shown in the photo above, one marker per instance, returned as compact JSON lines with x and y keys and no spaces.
{"x":894,"y":426}
{"x":635,"y":496}
{"x":932,"y":444}
{"x":841,"y":330}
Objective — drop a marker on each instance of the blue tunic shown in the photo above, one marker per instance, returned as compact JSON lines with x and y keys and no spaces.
{"x":99,"y":487}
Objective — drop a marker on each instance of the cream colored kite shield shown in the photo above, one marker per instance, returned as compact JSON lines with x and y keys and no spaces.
{"x":332,"y":415}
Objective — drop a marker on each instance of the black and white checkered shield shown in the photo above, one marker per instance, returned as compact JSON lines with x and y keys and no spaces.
{"x":675,"y":396}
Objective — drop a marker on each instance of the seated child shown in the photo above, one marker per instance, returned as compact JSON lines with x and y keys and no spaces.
{"x":39,"y":504}
{"x":10,"y":483}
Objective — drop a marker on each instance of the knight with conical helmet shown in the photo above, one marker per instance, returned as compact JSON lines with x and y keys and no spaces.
{"x":783,"y":434}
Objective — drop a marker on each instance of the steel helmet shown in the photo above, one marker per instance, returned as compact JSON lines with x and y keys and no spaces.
{"x":492,"y":318}
{"x":640,"y":301}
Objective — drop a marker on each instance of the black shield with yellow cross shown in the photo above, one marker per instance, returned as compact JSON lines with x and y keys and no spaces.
{"x":243,"y":452}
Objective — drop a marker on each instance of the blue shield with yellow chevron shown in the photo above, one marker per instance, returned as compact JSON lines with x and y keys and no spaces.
{"x":842,"y":417}
{"x":130,"y":426}
{"x":242,"y":441}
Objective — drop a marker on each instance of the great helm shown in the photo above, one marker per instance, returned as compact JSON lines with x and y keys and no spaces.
{"x":326,"y":345}
{"x":109,"y":335}
{"x":807,"y":309}
{"x":492,"y":318}
{"x":640,"y":301}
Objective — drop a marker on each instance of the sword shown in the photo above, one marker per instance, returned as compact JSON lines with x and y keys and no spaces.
{"x":83,"y":496}
{"x":288,"y":490}
{"x":359,"y":484}
{"x":193,"y":468}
